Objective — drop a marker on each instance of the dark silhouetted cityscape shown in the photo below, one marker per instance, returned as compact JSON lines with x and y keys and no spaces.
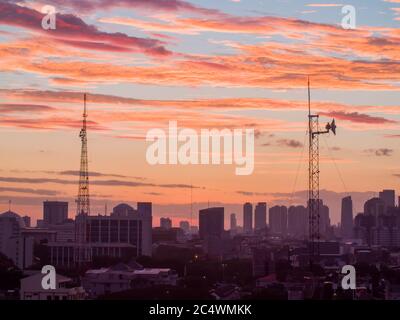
{"x":264,"y":259}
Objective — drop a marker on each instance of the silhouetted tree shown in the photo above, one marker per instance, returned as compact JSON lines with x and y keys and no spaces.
{"x":10,"y":275}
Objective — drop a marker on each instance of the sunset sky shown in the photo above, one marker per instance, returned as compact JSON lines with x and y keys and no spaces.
{"x":205,"y":64}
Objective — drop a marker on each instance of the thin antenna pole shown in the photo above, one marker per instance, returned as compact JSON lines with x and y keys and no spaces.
{"x":9,"y":205}
{"x":309,"y":97}
{"x":84,"y":108}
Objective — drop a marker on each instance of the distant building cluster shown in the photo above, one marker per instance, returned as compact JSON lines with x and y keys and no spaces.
{"x":274,"y":240}
{"x":379,"y":224}
{"x":124,"y":232}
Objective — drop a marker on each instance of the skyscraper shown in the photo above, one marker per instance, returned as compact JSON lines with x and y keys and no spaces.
{"x":247,"y":218}
{"x":185,"y":226}
{"x":388,"y":197}
{"x":145,"y":213}
{"x":27,"y":221}
{"x":55,"y":212}
{"x":278,"y":220}
{"x":260,"y":216}
{"x":211,"y":222}
{"x":297,"y":221}
{"x":233,"y":222}
{"x":324,"y":221}
{"x":165,"y":223}
{"x":374,"y":207}
{"x":378,"y":225}
{"x":347,"y":218}
{"x":13,"y":243}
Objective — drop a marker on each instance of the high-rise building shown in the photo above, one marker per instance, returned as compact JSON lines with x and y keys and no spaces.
{"x":211,"y":222}
{"x":298,"y":221}
{"x":260,"y":216}
{"x":247,"y":218}
{"x":324,"y":221}
{"x":194,"y":230}
{"x":55,"y":212}
{"x":13,"y":243}
{"x":211,"y":230}
{"x":346,"y":221}
{"x":145,"y":214}
{"x":367,"y":222}
{"x":374,"y":207}
{"x":233,"y":222}
{"x":278,"y":220}
{"x":388,"y":197}
{"x":185,"y":226}
{"x":27,"y":221}
{"x":165,"y":223}
{"x":379,"y":224}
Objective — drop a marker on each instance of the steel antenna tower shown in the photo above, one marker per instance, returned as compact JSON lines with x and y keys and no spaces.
{"x":313,"y":179}
{"x":83,"y":201}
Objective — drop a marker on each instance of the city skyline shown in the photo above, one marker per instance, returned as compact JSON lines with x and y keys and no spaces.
{"x":258,"y":218}
{"x":145,"y":65}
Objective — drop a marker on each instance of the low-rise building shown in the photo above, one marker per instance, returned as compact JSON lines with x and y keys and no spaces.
{"x":31,"y":289}
{"x":226,"y":292}
{"x":123,"y":277}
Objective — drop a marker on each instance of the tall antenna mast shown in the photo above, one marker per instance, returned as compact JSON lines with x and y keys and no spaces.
{"x":309,"y":97}
{"x":83,"y":201}
{"x":313,"y":179}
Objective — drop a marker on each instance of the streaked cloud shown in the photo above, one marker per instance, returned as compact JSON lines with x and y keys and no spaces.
{"x":41,"y":192}
{"x":381,"y":152}
{"x":114,"y":183}
{"x":290,"y":143}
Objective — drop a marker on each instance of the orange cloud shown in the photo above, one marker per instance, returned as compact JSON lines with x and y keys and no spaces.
{"x":120,"y":115}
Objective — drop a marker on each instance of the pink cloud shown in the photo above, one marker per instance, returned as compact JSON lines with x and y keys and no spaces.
{"x":72,"y":30}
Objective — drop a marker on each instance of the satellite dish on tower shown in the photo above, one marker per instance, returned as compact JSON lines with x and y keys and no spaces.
{"x":331,"y":126}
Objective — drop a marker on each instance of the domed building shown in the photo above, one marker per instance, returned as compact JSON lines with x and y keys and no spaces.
{"x":123,"y":210}
{"x":15,"y":216}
